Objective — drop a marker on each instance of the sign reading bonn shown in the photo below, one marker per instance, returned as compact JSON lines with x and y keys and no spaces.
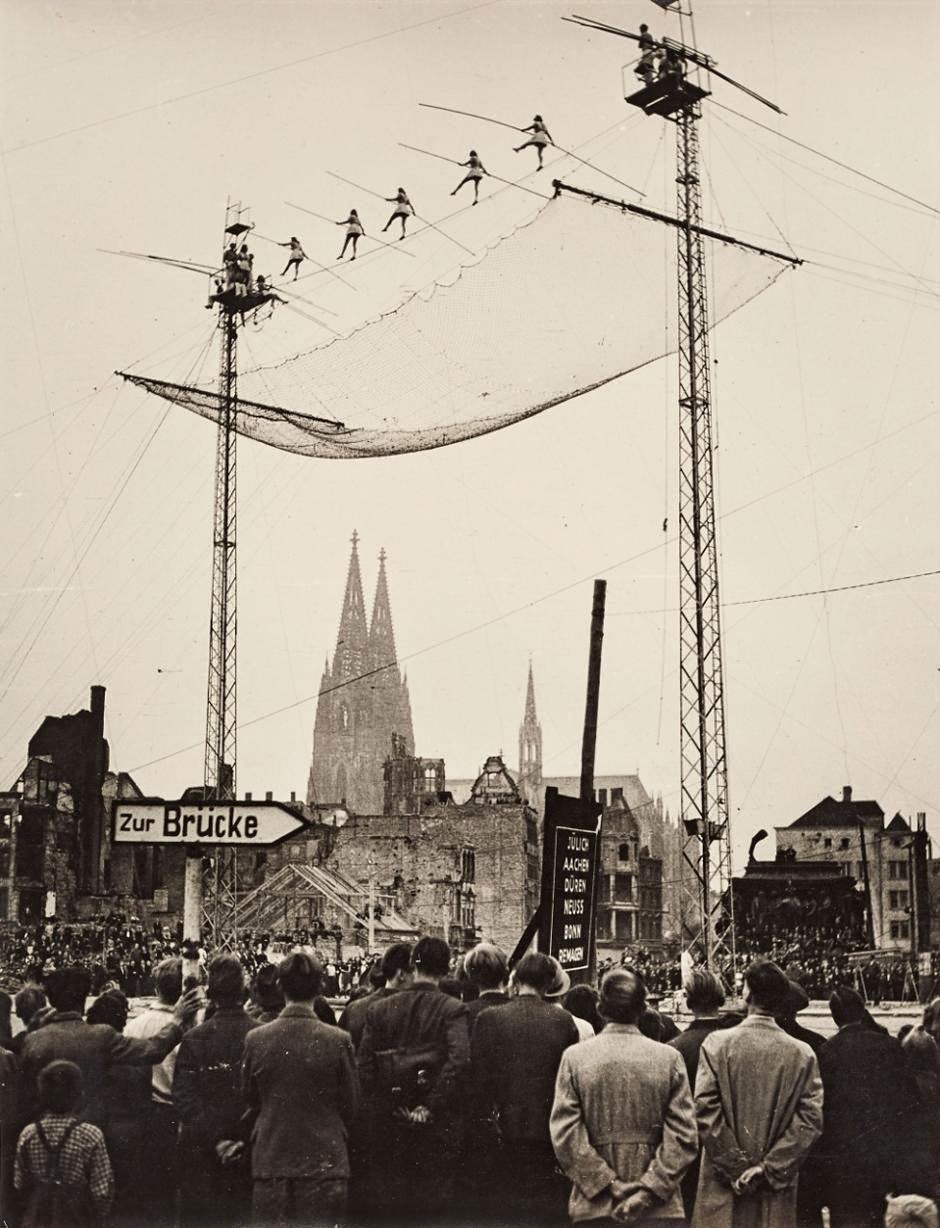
{"x":240,"y":823}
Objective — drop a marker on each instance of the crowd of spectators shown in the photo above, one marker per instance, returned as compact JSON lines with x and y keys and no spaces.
{"x":452,"y":1091}
{"x":117,"y":950}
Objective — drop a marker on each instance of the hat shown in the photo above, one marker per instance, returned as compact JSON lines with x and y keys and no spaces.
{"x":796,"y":1000}
{"x":561,"y":984}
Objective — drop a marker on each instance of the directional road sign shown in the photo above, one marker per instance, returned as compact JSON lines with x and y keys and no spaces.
{"x":155,"y":821}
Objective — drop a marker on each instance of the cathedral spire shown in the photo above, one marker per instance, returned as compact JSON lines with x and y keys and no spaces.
{"x":530,"y":748}
{"x":381,"y":632}
{"x":352,"y":644}
{"x":530,"y":698}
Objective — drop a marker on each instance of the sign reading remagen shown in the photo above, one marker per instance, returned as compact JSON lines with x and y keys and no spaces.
{"x":574,"y":862}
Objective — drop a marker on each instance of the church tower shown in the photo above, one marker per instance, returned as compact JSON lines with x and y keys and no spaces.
{"x":530,"y":749}
{"x":363,"y":701}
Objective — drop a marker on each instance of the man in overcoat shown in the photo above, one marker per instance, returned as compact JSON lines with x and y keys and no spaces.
{"x":413,"y":1062}
{"x":759,"y":1100}
{"x":206,"y":1093}
{"x":299,"y":1080}
{"x":862,"y":1155}
{"x":622,"y":1123}
{"x":515,"y":1053}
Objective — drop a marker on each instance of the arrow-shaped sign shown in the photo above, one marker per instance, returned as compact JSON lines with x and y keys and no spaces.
{"x":155,"y":821}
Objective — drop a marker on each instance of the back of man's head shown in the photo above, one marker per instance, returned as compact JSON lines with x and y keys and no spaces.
{"x":431,"y":958}
{"x":60,"y":1087}
{"x":110,"y":1008}
{"x":396,"y":960}
{"x":226,"y":985}
{"x":67,"y":989}
{"x":535,"y":971}
{"x":168,"y":979}
{"x":300,"y":976}
{"x":846,"y":1006}
{"x":486,"y":966}
{"x":28,"y":1001}
{"x":623,"y":996}
{"x":376,"y":978}
{"x":703,"y":992}
{"x":768,"y":987}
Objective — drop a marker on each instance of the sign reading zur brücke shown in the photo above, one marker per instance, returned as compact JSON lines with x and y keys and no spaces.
{"x":155,"y":821}
{"x":575,"y":858}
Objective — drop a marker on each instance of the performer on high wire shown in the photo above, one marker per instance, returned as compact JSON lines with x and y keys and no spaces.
{"x":474,"y":175}
{"x":538,"y":140}
{"x":403,"y":210}
{"x":296,"y":256}
{"x":353,"y":231}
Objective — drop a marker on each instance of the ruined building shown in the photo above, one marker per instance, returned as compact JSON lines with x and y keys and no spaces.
{"x":363,"y":702}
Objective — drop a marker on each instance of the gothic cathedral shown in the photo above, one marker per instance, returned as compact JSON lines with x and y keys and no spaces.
{"x":363,"y":702}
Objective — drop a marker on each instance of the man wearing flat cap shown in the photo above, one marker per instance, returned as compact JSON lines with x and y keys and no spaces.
{"x":623,"y":1123}
{"x":759,"y":1101}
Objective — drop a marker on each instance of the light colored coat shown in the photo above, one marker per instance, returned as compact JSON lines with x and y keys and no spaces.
{"x":759,"y":1100}
{"x":623,"y":1109}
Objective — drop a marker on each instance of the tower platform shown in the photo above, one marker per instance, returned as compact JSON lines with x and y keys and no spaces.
{"x":667,"y":96}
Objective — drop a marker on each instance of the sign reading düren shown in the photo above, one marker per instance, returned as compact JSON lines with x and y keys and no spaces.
{"x":570,"y":849}
{"x":155,"y":821}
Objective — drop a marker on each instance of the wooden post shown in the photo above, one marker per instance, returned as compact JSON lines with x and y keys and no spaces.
{"x":589,"y":740}
{"x":868,"y":908}
{"x":192,"y":916}
{"x":589,"y":746}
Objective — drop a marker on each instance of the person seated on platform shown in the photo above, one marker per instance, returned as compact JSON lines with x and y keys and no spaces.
{"x":671,"y":67}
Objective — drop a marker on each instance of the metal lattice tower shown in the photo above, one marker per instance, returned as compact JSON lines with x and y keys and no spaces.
{"x":706,"y":854}
{"x":220,"y":879}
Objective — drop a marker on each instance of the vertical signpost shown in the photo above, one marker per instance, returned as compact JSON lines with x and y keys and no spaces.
{"x":569,"y":871}
{"x":571,"y":844}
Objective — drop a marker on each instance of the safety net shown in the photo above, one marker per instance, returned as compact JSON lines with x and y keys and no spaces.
{"x":572,"y":299}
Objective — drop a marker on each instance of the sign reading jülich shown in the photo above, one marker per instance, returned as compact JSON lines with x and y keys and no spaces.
{"x":154,"y":821}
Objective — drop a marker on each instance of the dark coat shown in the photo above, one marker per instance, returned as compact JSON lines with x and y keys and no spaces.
{"x":689,"y":1042}
{"x":206,"y":1080}
{"x":516,"y":1051}
{"x":418,"y":1016}
{"x":488,"y":998}
{"x":868,"y":1102}
{"x":299,"y":1078}
{"x":793,"y":1028}
{"x":353,"y":1018}
{"x":94,"y":1048}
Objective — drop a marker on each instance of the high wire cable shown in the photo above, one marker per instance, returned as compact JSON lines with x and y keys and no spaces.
{"x":436,"y":19}
{"x":828,"y":158}
{"x":21,"y":658}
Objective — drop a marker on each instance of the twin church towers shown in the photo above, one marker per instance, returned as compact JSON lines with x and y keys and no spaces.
{"x":363,"y":703}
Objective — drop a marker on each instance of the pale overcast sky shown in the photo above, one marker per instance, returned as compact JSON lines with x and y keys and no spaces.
{"x":127,"y":126}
